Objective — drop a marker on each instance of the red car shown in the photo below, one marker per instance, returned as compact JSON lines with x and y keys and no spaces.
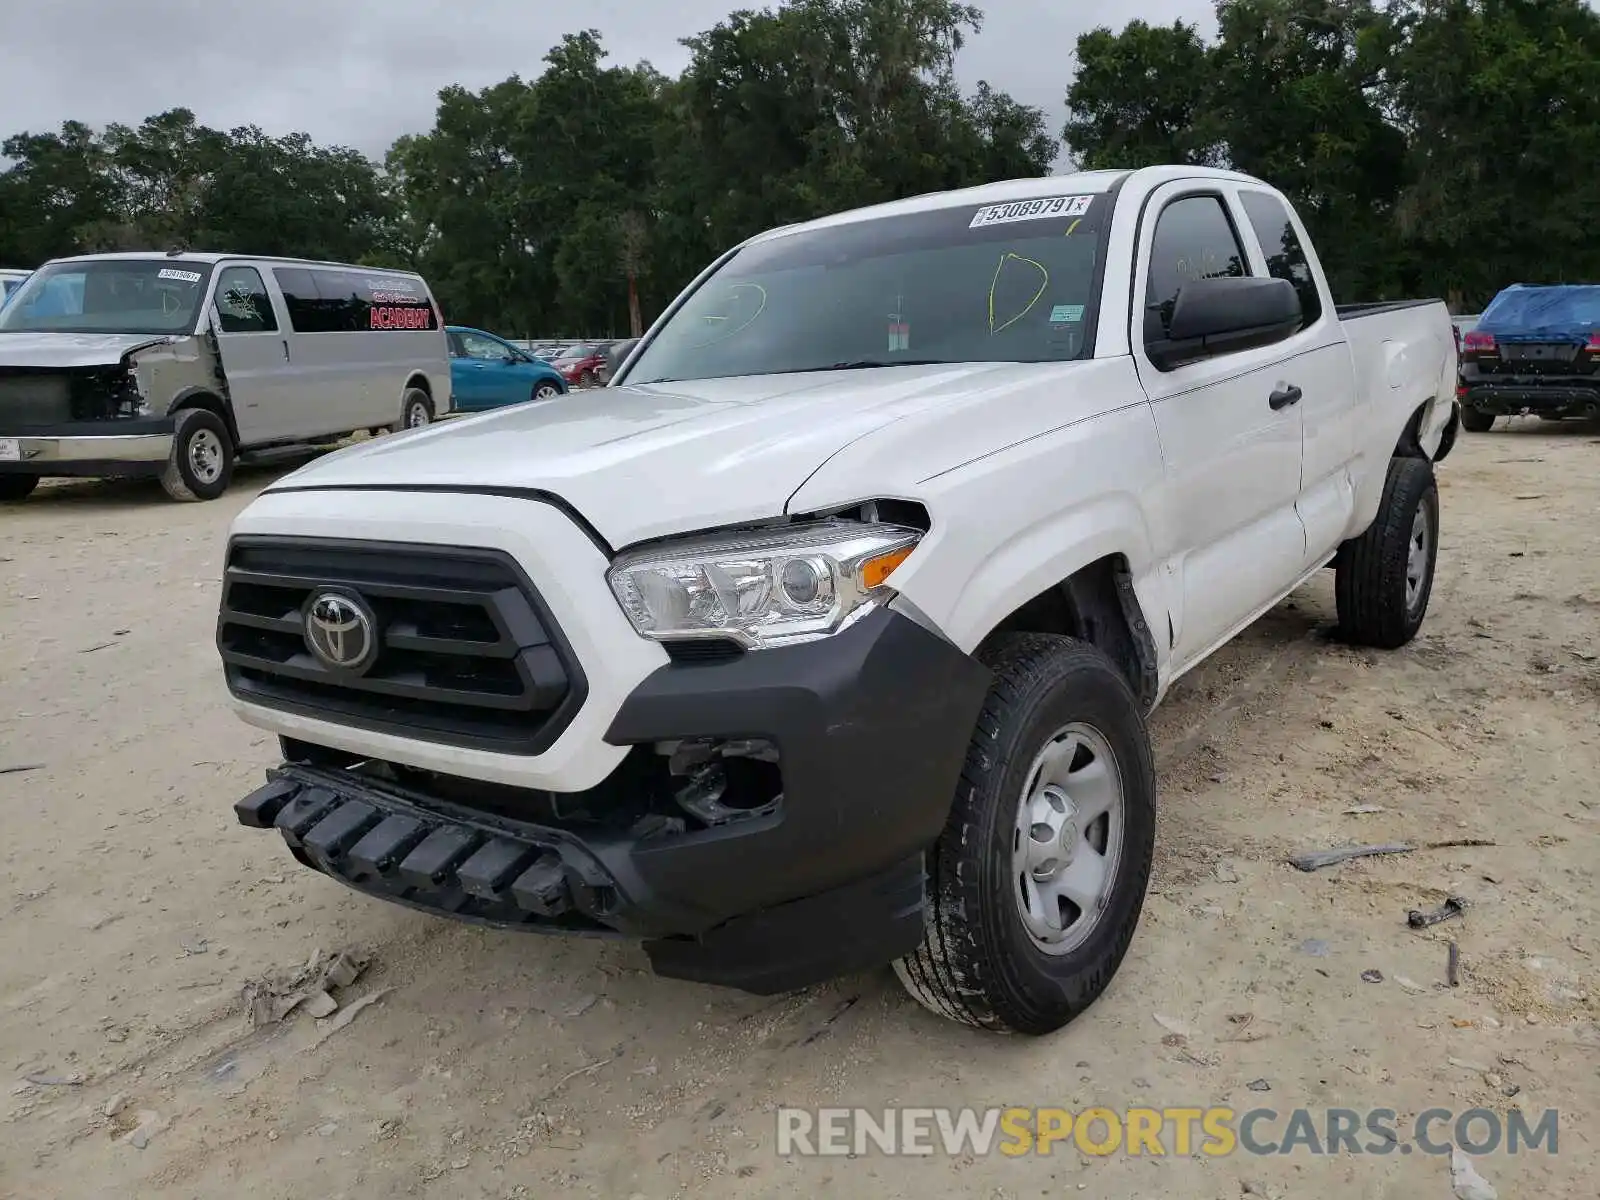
{"x":578,"y":364}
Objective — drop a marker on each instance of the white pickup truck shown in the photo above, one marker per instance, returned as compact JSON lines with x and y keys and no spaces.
{"x":825,"y":636}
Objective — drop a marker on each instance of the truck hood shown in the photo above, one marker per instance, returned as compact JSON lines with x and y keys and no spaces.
{"x":647,"y":461}
{"x":33,"y":349}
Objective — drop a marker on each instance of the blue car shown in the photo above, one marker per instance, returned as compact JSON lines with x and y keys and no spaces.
{"x":489,"y":372}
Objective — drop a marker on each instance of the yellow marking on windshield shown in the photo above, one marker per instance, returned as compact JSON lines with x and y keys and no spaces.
{"x":1076,"y":221}
{"x":724,"y":334}
{"x":995,"y":282}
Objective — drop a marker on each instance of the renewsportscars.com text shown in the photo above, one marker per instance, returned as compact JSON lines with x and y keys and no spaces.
{"x":1160,"y":1131}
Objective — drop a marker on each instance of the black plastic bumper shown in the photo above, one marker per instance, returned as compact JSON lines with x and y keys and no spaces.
{"x":871,"y":727}
{"x":1552,"y":399}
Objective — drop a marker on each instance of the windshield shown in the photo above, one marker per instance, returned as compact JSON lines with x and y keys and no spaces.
{"x":996,"y":283}
{"x":115,"y":295}
{"x":577,"y":352}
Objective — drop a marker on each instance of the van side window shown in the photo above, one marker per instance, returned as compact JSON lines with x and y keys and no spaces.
{"x":326,"y":301}
{"x":243,"y":305}
{"x":1194,"y":239}
{"x":1286,"y":258}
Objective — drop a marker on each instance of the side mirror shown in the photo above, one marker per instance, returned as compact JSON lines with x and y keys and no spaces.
{"x":1220,"y":316}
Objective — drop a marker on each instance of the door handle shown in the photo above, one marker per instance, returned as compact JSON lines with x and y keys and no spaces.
{"x":1284,"y":397}
{"x":285,"y":349}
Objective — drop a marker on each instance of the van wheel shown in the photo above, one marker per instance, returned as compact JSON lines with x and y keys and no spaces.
{"x":417,"y":410}
{"x":1383,"y":578}
{"x":17,"y":487}
{"x":201,"y":465}
{"x":1475,"y":420}
{"x":1039,"y":877}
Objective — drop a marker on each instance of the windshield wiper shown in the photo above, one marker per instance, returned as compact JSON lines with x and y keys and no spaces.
{"x":864,"y":363}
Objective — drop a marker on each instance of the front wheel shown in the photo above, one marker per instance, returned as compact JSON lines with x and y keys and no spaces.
{"x":1039,"y":877}
{"x":201,"y":465}
{"x":17,"y":487}
{"x":1383,"y":579}
{"x":1475,"y":420}
{"x":546,"y":390}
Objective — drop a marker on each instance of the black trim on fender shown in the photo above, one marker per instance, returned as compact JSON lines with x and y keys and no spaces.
{"x":196,"y":396}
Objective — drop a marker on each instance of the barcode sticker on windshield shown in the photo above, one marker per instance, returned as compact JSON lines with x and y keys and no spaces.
{"x":1031,"y":210}
{"x":183,"y":276}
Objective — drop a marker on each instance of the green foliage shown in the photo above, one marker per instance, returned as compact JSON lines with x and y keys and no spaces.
{"x":532,"y":207}
{"x":1432,"y":146}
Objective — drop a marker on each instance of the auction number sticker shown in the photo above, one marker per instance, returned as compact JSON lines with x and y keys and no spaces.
{"x":181,"y":276}
{"x":1030,"y":210}
{"x":10,"y":450}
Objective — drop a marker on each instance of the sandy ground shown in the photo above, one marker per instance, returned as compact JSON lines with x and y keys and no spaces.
{"x":133,"y":909}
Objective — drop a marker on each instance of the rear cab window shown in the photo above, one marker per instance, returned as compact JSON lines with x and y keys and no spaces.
{"x":1280,"y":244}
{"x":1008,"y":282}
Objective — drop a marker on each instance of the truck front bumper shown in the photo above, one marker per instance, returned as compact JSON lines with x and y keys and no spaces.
{"x":871,"y":728}
{"x":132,"y":447}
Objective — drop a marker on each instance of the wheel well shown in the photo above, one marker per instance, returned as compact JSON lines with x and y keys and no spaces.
{"x":1410,"y":443}
{"x":211,"y":403}
{"x":1096,"y":604}
{"x":420,"y":382}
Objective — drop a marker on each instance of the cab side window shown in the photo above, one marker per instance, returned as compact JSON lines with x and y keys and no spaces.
{"x":1194,"y":239}
{"x":1286,"y":258}
{"x":243,"y":305}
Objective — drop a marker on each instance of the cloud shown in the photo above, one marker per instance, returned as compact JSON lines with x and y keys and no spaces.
{"x":362,"y":72}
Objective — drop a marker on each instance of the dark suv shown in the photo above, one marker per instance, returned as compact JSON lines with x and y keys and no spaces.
{"x":1535,"y":349}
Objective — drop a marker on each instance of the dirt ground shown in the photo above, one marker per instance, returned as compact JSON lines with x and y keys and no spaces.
{"x":133,"y":909}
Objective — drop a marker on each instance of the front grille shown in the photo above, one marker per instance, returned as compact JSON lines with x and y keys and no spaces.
{"x":468,"y":654}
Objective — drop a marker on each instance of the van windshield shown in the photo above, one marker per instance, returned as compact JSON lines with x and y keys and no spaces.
{"x":979,"y":283}
{"x":115,"y":295}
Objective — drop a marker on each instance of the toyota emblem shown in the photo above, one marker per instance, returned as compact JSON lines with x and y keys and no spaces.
{"x":341,"y":631}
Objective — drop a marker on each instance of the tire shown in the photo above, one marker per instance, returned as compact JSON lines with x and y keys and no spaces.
{"x":17,"y":487}
{"x":979,"y":963}
{"x":1475,"y":420}
{"x":201,"y":464}
{"x":546,"y":389}
{"x":416,"y":411}
{"x":1383,"y":578}
{"x":586,"y":379}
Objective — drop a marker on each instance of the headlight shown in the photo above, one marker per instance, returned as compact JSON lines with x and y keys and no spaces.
{"x":764,"y":588}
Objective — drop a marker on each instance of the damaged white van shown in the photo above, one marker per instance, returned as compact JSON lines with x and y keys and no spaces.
{"x":175,"y":366}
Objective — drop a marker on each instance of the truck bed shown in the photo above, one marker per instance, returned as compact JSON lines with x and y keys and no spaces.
{"x":1371,"y":308}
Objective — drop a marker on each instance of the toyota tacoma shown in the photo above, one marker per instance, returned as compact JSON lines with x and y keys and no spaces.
{"x":825,"y":637}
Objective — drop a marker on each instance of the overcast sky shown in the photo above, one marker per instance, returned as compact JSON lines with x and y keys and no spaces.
{"x":361,"y":72}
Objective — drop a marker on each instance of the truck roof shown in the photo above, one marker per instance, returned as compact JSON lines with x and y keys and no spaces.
{"x":1007,"y":190}
{"x":213,"y":257}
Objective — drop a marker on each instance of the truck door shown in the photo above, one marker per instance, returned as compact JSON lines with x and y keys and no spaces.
{"x":1323,"y":371}
{"x":1229,"y":428}
{"x":252,"y":339}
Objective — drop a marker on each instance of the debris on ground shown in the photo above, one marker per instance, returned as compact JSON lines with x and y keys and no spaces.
{"x":150,"y":1124}
{"x":1315,"y":947}
{"x":1176,"y":1028}
{"x":1416,"y":989}
{"x":1315,"y":859}
{"x":271,"y":998}
{"x":1465,"y":1180}
{"x":40,"y":1079}
{"x":1372,"y":975}
{"x":1453,"y":907}
{"x":1362,"y":810}
{"x":347,"y":1014}
{"x":1259,"y":1085}
{"x":1453,"y":966}
{"x":21,"y":767}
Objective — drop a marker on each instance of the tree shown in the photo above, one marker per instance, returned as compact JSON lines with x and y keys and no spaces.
{"x":1141,"y":97}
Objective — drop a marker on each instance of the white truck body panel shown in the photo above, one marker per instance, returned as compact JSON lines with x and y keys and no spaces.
{"x":1219,"y":502}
